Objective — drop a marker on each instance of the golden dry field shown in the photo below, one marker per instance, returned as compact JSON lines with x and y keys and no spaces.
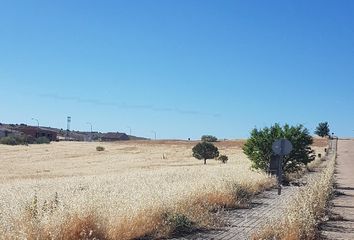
{"x":68,"y":190}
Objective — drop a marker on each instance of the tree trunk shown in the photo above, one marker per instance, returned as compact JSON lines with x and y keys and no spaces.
{"x":204,"y":160}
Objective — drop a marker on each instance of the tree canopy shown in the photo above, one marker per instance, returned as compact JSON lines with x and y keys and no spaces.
{"x":322,"y":129}
{"x":259,"y":146}
{"x":209,"y":138}
{"x":205,"y":150}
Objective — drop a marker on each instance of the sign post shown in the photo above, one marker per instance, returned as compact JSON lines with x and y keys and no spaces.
{"x":280,"y":147}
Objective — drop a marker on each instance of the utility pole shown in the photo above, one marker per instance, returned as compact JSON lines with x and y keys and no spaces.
{"x":130,"y":130}
{"x":90,"y":129}
{"x":154,"y":133}
{"x":37,"y":121}
{"x":68,"y":121}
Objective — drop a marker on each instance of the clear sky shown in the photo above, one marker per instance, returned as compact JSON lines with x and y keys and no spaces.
{"x":182,"y":68}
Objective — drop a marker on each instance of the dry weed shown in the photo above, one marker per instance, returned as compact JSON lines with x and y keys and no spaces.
{"x":306,"y":210}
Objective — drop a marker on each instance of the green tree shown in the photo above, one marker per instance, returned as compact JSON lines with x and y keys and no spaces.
{"x":205,"y":150}
{"x":322,"y":129}
{"x":209,"y":138}
{"x":258,"y":147}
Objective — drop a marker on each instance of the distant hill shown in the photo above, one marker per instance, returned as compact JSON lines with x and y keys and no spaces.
{"x":76,"y":135}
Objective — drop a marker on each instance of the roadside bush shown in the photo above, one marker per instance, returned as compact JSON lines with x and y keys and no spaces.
{"x":178,"y":223}
{"x":42,"y":140}
{"x":209,"y":138}
{"x":23,"y":140}
{"x":10,"y":140}
{"x":29,"y":139}
{"x":223,"y":158}
{"x":100,"y":148}
{"x":14,"y":140}
{"x":259,"y":146}
{"x":305,"y":211}
{"x":205,"y":150}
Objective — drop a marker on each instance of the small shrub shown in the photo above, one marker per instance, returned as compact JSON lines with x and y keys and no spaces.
{"x":209,"y":138}
{"x":32,"y":208}
{"x":42,"y":140}
{"x":178,"y":223}
{"x":243,"y":194}
{"x":223,"y":158}
{"x":100,"y":148}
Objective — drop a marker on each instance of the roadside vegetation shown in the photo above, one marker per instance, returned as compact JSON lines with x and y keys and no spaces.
{"x":258,"y":147}
{"x":138,"y":202}
{"x":306,"y":210}
{"x":23,"y":140}
{"x":121,"y":207}
{"x":148,"y":199}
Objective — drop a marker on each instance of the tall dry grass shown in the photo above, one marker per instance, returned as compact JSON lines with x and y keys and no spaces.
{"x":305,"y":210}
{"x":155,"y":204}
{"x":177,"y":196}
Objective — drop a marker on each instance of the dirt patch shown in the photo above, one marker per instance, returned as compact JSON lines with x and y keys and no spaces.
{"x":320,"y":142}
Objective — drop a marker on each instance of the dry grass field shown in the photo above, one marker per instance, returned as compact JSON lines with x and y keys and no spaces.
{"x":133,"y":189}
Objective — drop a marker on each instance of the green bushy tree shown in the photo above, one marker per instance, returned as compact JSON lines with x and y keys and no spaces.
{"x":205,"y":150}
{"x":258,"y":147}
{"x":209,"y":138}
{"x":322,"y":129}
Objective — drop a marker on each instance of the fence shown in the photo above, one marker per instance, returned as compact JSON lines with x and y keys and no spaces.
{"x":332,"y":146}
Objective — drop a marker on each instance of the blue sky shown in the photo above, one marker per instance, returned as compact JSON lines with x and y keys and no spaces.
{"x":182,"y":68}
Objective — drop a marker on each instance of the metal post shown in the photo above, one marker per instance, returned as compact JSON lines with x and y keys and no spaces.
{"x":281,"y":147}
{"x":280,"y":173}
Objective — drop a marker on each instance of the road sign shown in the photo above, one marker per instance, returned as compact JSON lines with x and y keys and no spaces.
{"x":282,"y":147}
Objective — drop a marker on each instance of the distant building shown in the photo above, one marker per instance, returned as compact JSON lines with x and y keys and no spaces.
{"x":112,"y":136}
{"x":4,"y":132}
{"x":38,"y":132}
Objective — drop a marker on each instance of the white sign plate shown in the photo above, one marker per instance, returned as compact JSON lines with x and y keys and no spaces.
{"x":282,"y":147}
